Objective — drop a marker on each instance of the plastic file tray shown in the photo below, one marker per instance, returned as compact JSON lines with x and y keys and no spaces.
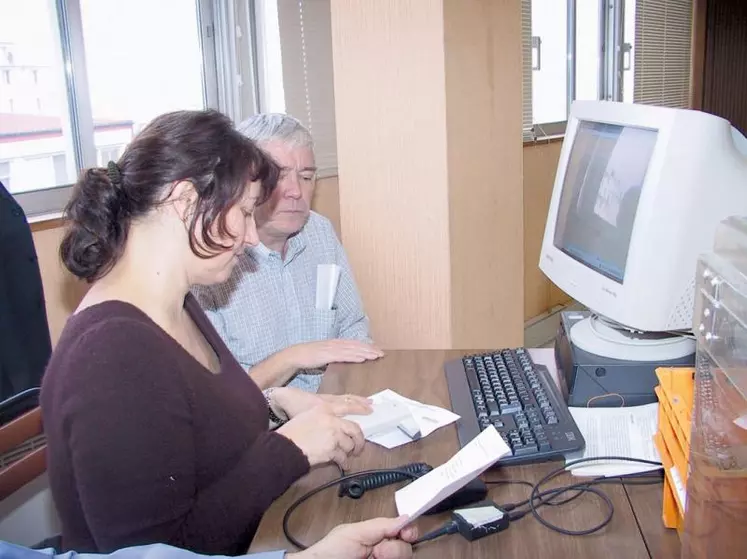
{"x":677,"y":385}
{"x":675,"y":394}
{"x":673,"y":500}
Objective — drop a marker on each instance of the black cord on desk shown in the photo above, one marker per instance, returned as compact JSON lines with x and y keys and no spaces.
{"x":303,"y":498}
{"x":539,"y":498}
{"x":536,"y":498}
{"x":549,"y":497}
{"x":450,"y":527}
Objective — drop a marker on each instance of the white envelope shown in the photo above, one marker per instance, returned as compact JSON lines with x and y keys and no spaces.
{"x":327,"y":278}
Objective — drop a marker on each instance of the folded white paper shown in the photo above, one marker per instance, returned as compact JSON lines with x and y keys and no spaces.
{"x":477,"y":456}
{"x":427,"y":418}
{"x":386,"y":416}
{"x":327,"y":278}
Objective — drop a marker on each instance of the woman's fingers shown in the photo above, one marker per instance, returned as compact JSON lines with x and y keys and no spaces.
{"x":353,"y":431}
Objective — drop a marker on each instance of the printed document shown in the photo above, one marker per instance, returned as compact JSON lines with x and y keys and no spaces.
{"x":627,"y":432}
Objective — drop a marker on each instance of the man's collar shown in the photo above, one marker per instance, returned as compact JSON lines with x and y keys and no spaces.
{"x":294,"y":246}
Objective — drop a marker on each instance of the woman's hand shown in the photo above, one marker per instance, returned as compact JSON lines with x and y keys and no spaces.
{"x":380,"y":538}
{"x":292,"y":402}
{"x":323,"y":436}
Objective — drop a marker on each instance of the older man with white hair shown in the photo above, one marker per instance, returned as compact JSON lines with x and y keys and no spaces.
{"x":267,"y":311}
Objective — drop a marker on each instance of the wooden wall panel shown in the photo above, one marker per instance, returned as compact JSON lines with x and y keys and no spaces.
{"x":540,"y":163}
{"x":391,"y":141}
{"x":428,"y":108}
{"x":62,"y":291}
{"x":725,"y":72}
{"x":327,"y":201}
{"x":484,"y":119}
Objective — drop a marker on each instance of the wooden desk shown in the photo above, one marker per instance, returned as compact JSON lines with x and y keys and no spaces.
{"x":635,"y":531}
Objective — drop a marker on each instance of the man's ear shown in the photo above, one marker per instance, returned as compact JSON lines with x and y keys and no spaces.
{"x":183,"y":197}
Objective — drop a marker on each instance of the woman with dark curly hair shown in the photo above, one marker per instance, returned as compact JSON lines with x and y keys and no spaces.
{"x":155,"y":433}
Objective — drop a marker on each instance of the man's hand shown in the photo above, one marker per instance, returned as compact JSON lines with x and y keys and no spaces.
{"x":293,"y":401}
{"x":379,"y":538}
{"x":280,"y":367}
{"x":313,"y":355}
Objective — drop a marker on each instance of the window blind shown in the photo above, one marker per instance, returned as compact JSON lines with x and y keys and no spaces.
{"x":526,"y":69}
{"x":308,"y":83}
{"x":663,"y":37}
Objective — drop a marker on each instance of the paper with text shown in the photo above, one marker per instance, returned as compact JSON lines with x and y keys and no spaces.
{"x":627,"y":432}
{"x":476,"y":457}
{"x":327,"y":278}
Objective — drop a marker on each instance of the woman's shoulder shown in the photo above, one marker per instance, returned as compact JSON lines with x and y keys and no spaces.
{"x":107,"y":318}
{"x":105,"y":338}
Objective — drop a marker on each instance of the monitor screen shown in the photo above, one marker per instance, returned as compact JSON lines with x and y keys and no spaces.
{"x":601,"y":188}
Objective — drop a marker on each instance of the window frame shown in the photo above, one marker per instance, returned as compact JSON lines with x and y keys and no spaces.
{"x":612,"y":14}
{"x":49,"y":203}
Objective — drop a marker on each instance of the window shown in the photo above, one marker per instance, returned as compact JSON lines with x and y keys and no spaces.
{"x":618,"y":50}
{"x":155,"y":75}
{"x":661,"y":32}
{"x":5,"y":174}
{"x":59,"y":164}
{"x":108,"y":153}
{"x":549,"y":40}
{"x":294,"y":55}
{"x":133,"y":71}
{"x":86,"y":86}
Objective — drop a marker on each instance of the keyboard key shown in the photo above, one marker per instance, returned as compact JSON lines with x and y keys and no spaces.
{"x":511,"y":408}
{"x":525,"y":450}
{"x":492,"y":406}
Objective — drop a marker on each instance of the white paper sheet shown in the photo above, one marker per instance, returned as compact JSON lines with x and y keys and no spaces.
{"x":627,"y":432}
{"x":386,"y":416}
{"x":327,"y":278}
{"x":428,"y":418}
{"x":476,"y":457}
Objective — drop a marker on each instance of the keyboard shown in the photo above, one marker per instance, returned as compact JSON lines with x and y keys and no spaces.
{"x":506,"y":389}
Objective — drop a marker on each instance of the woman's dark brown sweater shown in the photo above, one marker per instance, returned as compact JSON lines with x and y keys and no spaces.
{"x":146,"y":445}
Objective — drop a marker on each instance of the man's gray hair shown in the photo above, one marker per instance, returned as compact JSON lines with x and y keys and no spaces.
{"x":266,"y":127}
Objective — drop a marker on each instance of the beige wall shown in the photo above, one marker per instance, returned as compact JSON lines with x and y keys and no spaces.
{"x":431,"y":191}
{"x":62,"y":291}
{"x":540,"y":162}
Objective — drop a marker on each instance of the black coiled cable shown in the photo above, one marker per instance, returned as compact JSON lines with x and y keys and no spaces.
{"x":356,"y":487}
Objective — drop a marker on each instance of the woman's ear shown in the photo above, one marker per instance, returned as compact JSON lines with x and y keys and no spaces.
{"x":183,"y":197}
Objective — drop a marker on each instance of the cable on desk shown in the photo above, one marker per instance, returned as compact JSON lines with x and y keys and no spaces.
{"x":305,"y":497}
{"x":450,"y":527}
{"x":528,"y":484}
{"x":537,"y":498}
{"x":549,"y":497}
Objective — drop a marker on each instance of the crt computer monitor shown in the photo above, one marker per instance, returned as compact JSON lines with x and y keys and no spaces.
{"x":638,"y":194}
